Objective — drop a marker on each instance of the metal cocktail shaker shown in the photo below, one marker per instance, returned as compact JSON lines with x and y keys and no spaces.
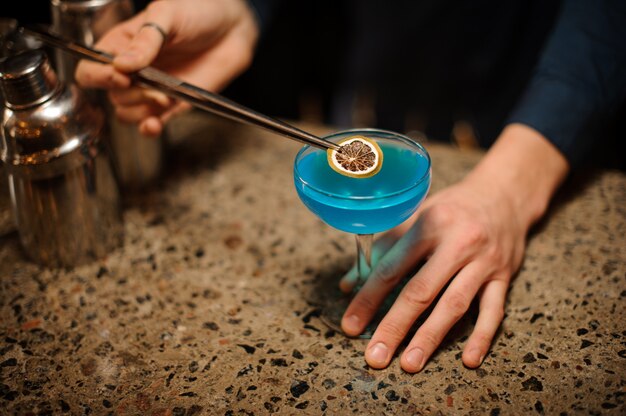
{"x":64,"y":194}
{"x":138,"y":158}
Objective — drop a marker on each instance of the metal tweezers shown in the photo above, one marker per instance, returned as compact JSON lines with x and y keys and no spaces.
{"x":153,"y":78}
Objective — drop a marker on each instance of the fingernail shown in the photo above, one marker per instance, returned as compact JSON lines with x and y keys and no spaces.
{"x":475,"y":354}
{"x":378,"y":354}
{"x":352,"y":323}
{"x":415,"y":358}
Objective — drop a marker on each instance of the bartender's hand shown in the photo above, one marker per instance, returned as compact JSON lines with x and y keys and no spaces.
{"x":472,"y":236}
{"x":206,"y":43}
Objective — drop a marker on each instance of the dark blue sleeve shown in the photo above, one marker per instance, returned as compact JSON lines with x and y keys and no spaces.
{"x":580,"y":80}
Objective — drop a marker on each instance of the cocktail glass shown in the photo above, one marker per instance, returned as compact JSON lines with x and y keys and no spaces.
{"x":364,"y":206}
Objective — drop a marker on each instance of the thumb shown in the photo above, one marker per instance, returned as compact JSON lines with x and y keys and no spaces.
{"x":146,"y":44}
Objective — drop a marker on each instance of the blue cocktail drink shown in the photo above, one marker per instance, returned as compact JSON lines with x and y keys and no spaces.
{"x":364,"y":205}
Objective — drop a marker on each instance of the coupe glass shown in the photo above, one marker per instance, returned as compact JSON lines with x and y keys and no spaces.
{"x":364,"y":206}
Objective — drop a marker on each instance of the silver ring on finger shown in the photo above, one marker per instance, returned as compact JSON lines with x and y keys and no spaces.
{"x":158,"y":28}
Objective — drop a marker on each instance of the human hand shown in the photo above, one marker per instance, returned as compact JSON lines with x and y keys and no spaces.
{"x":473,"y":242}
{"x":208,"y":44}
{"x":472,"y":236}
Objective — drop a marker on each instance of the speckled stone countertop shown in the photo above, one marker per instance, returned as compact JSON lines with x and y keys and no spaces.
{"x":211,"y":306}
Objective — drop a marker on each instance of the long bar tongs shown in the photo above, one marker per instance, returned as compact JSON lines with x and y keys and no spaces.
{"x":174,"y":87}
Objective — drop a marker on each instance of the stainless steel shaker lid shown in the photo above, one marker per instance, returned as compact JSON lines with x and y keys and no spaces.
{"x":27,"y":79}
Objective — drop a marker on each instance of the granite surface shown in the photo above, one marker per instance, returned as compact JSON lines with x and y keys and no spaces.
{"x":212,"y":305}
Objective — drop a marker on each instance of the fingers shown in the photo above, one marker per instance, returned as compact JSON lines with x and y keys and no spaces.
{"x":140,"y":105}
{"x":142,"y":50}
{"x":450,"y":308}
{"x":134,"y":96}
{"x":150,"y":108}
{"x":147,"y":39}
{"x":414,"y":299}
{"x":489,"y":319}
{"x":395,"y":264}
{"x":133,"y":45}
{"x":138,"y":112}
{"x":94,"y":75}
{"x":152,"y":126}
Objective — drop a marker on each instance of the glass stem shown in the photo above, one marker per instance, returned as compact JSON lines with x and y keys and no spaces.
{"x":364,"y":259}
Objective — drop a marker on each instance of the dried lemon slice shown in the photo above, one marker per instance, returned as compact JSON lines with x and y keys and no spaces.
{"x":358,"y":157}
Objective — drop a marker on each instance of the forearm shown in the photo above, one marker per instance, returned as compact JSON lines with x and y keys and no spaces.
{"x":523,"y":168}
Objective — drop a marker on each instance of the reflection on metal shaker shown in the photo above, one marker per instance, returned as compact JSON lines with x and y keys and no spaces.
{"x":138,"y":158}
{"x":63,"y":190}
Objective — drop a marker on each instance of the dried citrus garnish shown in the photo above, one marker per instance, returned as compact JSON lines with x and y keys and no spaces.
{"x":357,"y":157}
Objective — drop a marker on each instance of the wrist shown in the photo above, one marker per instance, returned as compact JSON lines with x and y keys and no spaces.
{"x":524,"y":168}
